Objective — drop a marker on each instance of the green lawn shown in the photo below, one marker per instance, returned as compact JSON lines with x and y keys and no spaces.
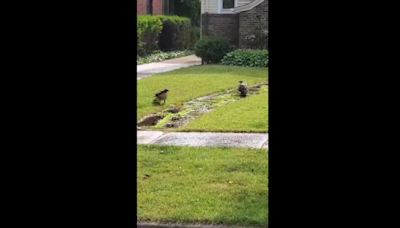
{"x":202,"y":185}
{"x":189,"y":83}
{"x":249,"y":114}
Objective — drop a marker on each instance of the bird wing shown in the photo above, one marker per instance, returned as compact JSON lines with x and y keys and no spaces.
{"x":242,"y":88}
{"x":160,"y":93}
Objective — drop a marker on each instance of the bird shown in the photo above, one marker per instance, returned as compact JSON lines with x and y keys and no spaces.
{"x":161,"y":96}
{"x":242,"y":89}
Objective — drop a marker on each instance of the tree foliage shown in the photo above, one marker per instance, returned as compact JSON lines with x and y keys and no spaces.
{"x":188,"y":8}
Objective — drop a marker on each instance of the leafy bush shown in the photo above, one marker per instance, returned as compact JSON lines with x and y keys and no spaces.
{"x":158,"y":56}
{"x":164,"y":33}
{"x":148,"y":32}
{"x":247,"y":57}
{"x":211,"y":50}
{"x":176,"y":33}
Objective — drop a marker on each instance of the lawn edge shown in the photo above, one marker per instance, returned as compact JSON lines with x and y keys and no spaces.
{"x":220,"y":131}
{"x":176,"y":225}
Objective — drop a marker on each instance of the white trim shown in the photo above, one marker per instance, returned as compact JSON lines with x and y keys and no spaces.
{"x":248,"y":6}
{"x":226,"y":11}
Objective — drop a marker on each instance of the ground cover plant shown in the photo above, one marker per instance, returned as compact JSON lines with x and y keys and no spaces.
{"x":161,"y":56}
{"x":189,"y":83}
{"x":202,"y":185}
{"x":246,"y":57}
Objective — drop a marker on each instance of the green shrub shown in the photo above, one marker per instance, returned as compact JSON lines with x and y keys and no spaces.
{"x":247,"y":57}
{"x":148,"y":32}
{"x":175,"y":34}
{"x":211,"y":50}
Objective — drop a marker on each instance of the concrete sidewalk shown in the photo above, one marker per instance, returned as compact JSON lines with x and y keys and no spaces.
{"x":202,"y":139}
{"x":146,"y":70}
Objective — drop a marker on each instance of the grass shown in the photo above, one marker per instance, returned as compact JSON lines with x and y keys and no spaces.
{"x":247,"y":115}
{"x":202,"y":185}
{"x":189,"y":83}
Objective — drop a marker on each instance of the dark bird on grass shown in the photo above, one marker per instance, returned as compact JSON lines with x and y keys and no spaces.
{"x":242,"y":89}
{"x":161,"y":96}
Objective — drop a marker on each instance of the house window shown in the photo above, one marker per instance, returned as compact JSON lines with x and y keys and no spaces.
{"x":228,"y":4}
{"x":149,"y":7}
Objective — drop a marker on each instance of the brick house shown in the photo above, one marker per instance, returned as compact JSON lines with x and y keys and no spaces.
{"x":154,"y":7}
{"x":237,"y":21}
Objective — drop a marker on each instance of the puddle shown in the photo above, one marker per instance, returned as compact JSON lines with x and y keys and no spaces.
{"x":178,"y":116}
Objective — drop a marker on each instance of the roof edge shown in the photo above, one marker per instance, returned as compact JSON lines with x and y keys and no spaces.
{"x":247,"y":7}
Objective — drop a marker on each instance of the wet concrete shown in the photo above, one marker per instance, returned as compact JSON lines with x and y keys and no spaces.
{"x":265,"y":145}
{"x":204,"y":139}
{"x":147,"y":137}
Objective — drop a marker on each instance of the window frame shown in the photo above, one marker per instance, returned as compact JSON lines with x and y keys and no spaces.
{"x":221,"y":10}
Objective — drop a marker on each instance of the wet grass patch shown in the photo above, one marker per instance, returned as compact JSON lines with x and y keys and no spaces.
{"x":189,"y":83}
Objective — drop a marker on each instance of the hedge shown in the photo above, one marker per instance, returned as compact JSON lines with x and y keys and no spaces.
{"x":247,"y":57}
{"x":176,"y":33}
{"x":148,"y":32}
{"x":164,"y":33}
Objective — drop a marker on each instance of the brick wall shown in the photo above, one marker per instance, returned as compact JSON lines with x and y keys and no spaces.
{"x":235,"y":27}
{"x":140,"y":7}
{"x":248,"y":23}
{"x":221,"y":25}
{"x":157,"y":7}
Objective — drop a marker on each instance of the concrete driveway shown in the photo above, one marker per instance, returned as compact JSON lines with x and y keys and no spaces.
{"x":146,"y":70}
